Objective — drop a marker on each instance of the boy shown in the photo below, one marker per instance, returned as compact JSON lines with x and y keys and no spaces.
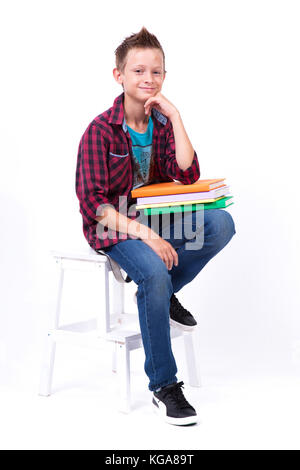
{"x":141,"y":140}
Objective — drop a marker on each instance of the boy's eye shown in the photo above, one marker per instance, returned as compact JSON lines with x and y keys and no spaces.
{"x":141,"y":71}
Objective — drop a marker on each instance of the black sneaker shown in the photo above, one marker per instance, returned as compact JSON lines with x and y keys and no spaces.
{"x":171,"y":404}
{"x":180,"y":317}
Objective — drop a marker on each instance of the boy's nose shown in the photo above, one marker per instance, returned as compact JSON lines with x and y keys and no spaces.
{"x":148,"y":79}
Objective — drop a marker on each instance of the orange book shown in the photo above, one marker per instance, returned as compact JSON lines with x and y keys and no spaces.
{"x":175,"y":187}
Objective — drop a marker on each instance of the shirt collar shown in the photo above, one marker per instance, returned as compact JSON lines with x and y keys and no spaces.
{"x":117,"y":113}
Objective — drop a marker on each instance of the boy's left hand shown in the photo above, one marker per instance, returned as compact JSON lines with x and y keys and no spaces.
{"x":160,"y":102}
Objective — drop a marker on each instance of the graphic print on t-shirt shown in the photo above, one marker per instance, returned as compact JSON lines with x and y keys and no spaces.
{"x":143,"y":164}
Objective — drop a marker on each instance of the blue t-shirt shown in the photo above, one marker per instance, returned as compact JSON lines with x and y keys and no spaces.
{"x":143,"y":156}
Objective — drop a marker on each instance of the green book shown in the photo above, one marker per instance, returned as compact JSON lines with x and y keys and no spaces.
{"x":221,"y":203}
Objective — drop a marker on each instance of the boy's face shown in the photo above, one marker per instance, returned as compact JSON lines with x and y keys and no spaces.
{"x":143,"y":74}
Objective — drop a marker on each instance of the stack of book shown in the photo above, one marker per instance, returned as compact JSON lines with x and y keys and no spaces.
{"x":161,"y":198}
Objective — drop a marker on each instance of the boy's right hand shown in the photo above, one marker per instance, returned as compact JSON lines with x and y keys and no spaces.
{"x":164,"y":250}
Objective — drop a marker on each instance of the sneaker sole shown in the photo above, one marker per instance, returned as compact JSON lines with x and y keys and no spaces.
{"x":160,"y":410}
{"x":181,"y":326}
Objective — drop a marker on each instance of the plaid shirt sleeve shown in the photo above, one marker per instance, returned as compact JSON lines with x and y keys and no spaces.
{"x":92,"y":172}
{"x":188,"y":176}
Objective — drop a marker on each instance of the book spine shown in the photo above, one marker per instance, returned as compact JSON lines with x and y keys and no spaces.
{"x":151,"y":190}
{"x":221,"y":204}
{"x":181,"y":203}
{"x":213,"y":194}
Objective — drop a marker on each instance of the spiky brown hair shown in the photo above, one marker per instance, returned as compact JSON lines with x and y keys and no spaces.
{"x":143,"y":40}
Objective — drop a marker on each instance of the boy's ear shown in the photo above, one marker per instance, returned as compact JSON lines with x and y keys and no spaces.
{"x":117,"y":76}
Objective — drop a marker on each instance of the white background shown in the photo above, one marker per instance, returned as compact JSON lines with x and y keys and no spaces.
{"x":233,"y":72}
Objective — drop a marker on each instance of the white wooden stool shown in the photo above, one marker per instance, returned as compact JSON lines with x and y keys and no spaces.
{"x":112,"y":325}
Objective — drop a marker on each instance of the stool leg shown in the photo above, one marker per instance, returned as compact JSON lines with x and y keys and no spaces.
{"x":123,"y":377}
{"x":192,"y":359}
{"x":47,"y":367}
{"x":50,"y":346}
{"x":103,"y":318}
{"x":118,"y":296}
{"x":114,"y":358}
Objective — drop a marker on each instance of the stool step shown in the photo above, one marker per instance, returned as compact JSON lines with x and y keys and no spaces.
{"x":85,"y":333}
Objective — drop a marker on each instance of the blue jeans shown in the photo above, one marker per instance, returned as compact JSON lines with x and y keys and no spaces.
{"x":156,"y":284}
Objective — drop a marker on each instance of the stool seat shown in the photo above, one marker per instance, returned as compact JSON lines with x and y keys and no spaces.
{"x":84,"y":255}
{"x":112,"y":326}
{"x":93,"y":256}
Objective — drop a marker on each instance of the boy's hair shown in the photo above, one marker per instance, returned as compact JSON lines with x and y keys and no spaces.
{"x":142,"y":40}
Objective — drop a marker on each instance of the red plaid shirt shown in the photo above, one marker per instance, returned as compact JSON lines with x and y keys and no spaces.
{"x":104,"y":169}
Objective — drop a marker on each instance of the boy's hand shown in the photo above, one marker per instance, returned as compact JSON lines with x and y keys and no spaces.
{"x":161,"y":103}
{"x":164,"y":250}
